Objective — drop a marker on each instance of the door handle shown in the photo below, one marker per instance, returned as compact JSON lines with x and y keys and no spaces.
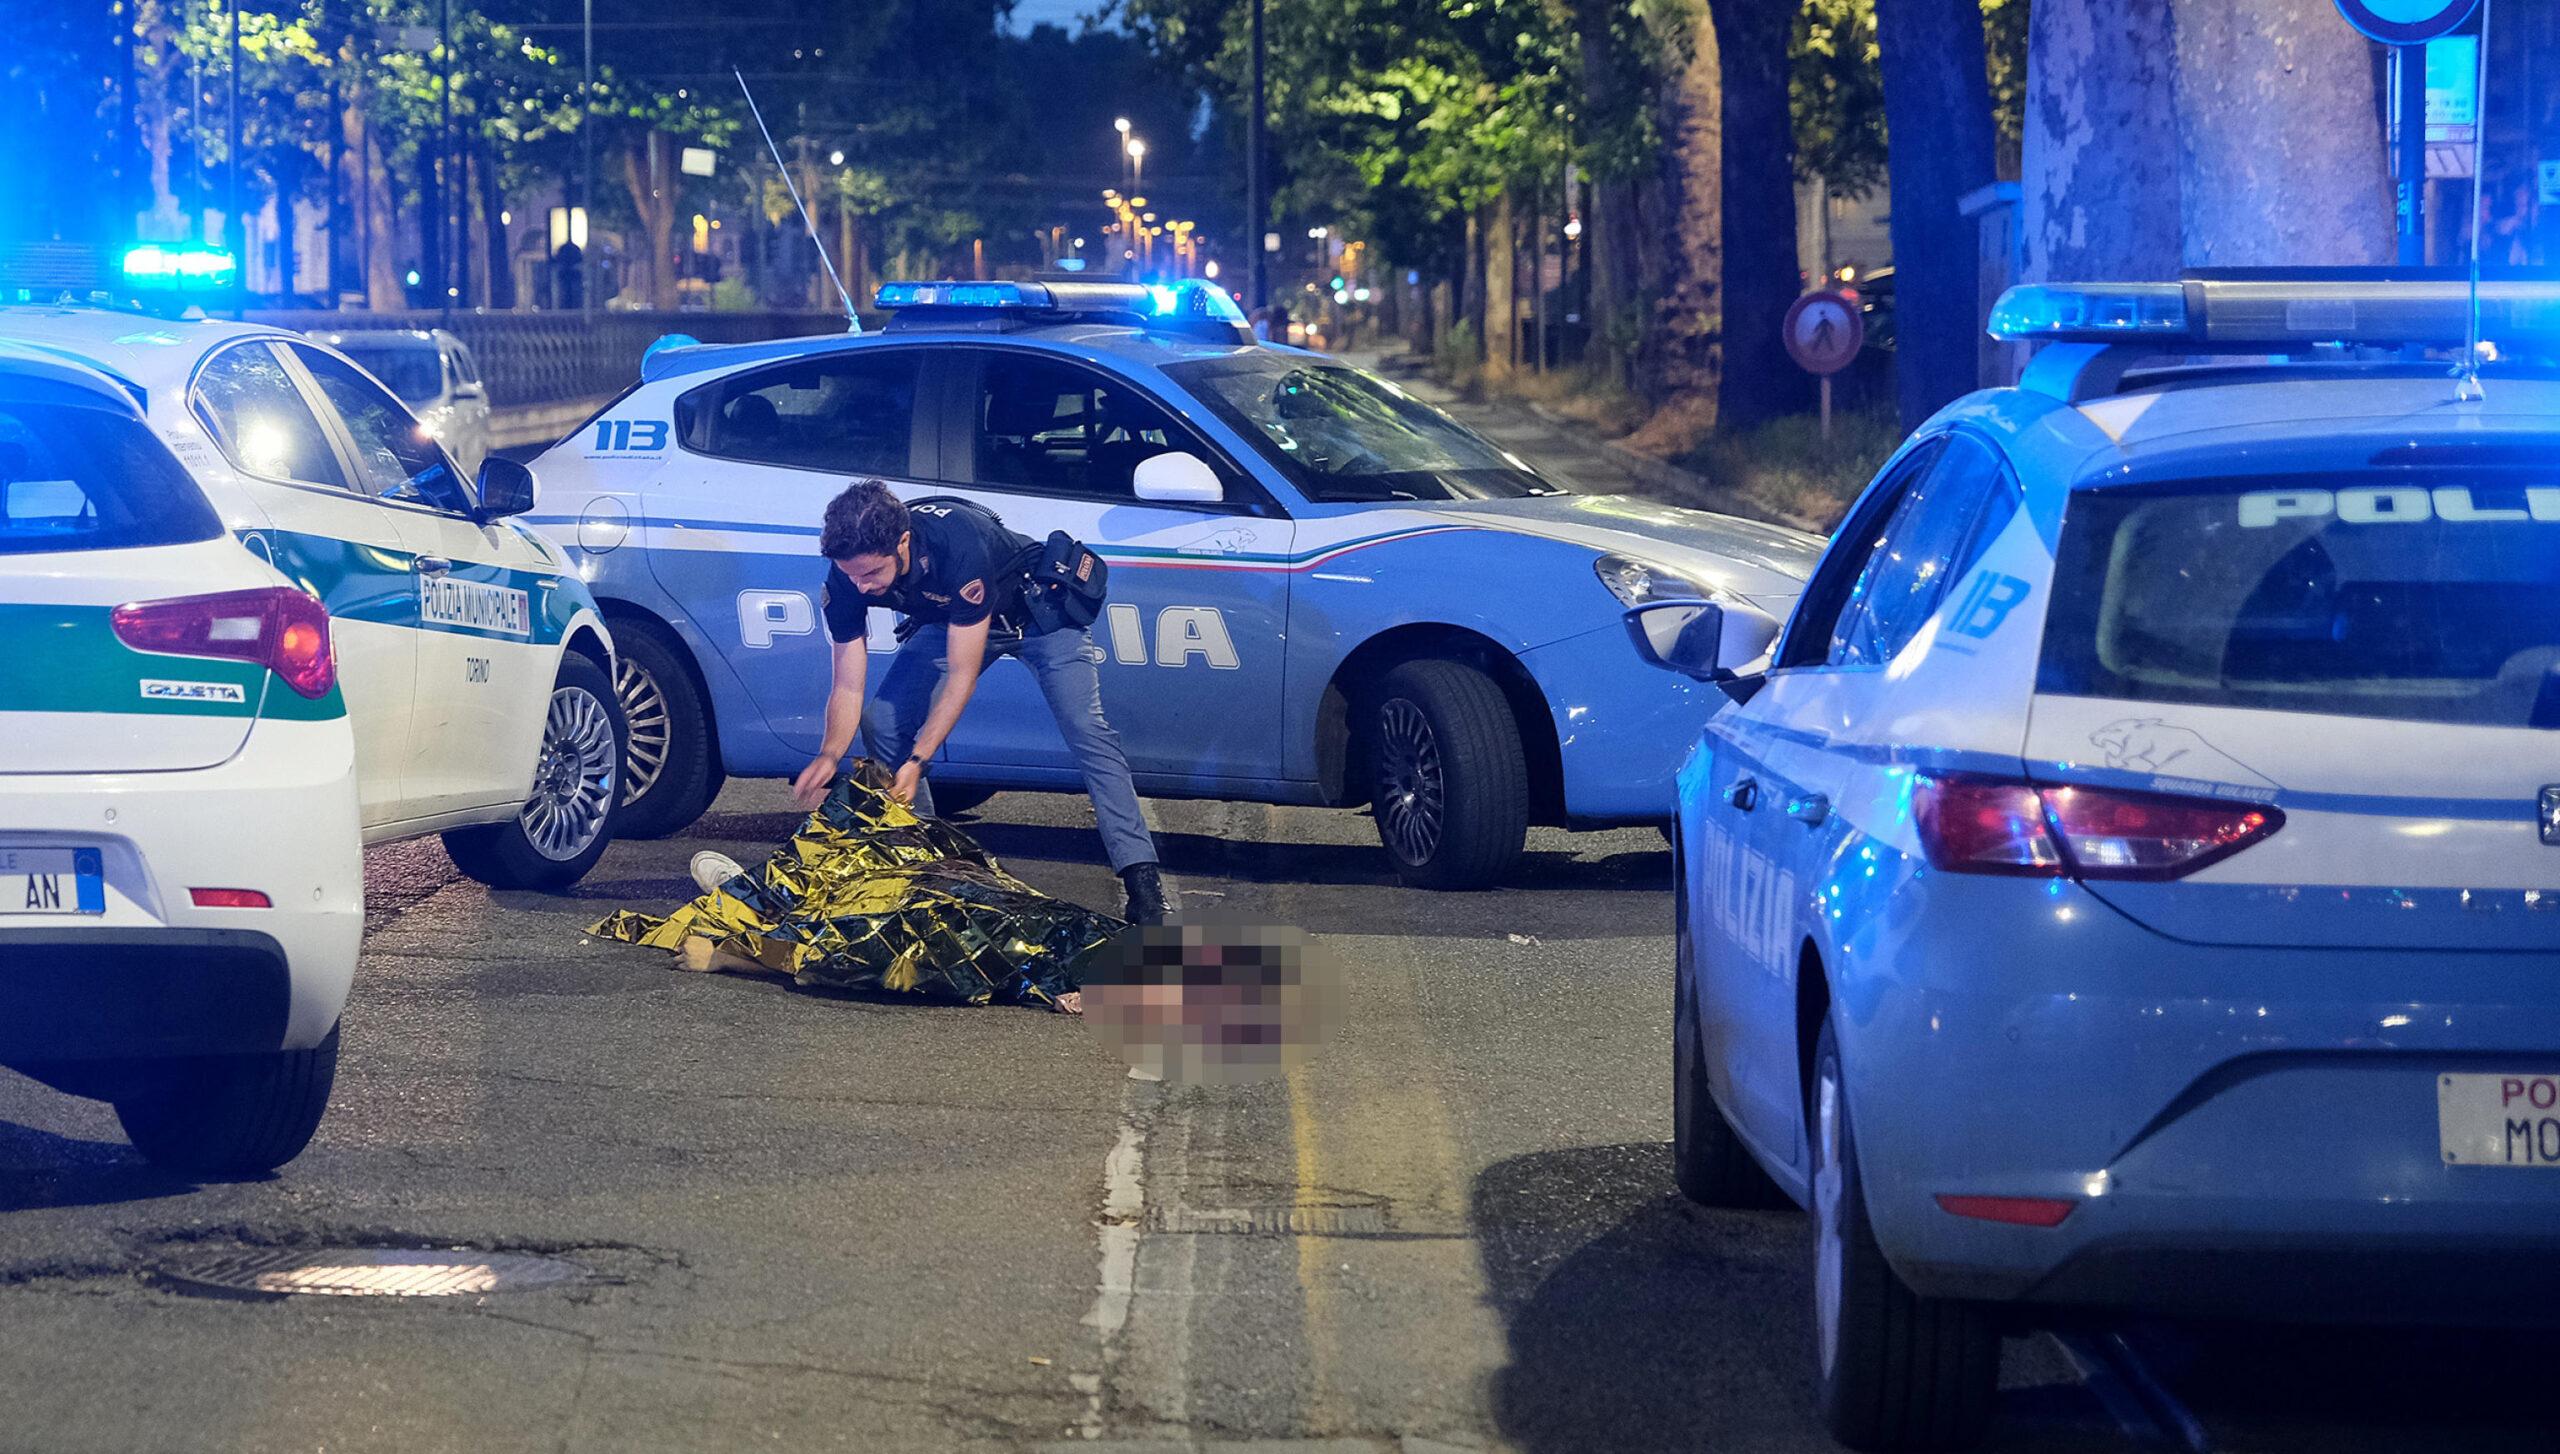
{"x":431,"y":565}
{"x":1810,"y":809}
{"x":1744,"y":795}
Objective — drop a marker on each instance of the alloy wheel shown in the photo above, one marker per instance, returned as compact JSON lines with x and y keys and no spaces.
{"x":648,"y":728}
{"x":1412,"y":785}
{"x":574,"y":782}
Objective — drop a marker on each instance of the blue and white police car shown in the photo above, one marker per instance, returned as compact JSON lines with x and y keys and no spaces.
{"x":476,"y":670}
{"x":1322,"y":590}
{"x":2131,"y":877}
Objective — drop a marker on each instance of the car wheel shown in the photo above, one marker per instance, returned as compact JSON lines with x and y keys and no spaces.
{"x":230,"y":1115}
{"x":954,"y":798}
{"x":1896,"y":1370}
{"x":1448,"y":779}
{"x":1708,"y":1161}
{"x":565,"y":825}
{"x":670,"y":773}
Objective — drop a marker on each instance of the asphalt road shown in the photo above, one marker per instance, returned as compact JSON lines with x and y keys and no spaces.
{"x":816,"y":1222}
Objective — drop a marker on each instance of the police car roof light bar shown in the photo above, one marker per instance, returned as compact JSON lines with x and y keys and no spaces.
{"x":852,"y":319}
{"x":2277,"y":314}
{"x":1192,"y":307}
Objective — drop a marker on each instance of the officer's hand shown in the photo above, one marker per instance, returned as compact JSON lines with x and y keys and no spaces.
{"x":904,"y":788}
{"x":809,"y":789}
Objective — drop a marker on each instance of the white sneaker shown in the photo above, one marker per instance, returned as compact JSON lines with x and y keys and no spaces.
{"x":711,"y":870}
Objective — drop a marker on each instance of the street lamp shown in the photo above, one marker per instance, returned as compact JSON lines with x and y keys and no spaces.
{"x":1137,"y":150}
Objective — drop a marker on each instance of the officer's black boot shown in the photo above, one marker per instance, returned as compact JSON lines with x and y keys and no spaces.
{"x":1146,"y":895}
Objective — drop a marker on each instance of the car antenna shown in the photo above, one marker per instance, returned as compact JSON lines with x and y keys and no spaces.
{"x":852,"y":320}
{"x":2466,"y":374}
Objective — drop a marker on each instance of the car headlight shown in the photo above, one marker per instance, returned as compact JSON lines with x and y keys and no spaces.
{"x":1638,"y":582}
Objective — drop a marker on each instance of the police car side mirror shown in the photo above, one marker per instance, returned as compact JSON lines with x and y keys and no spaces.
{"x":1702,"y":640}
{"x":506,"y":488}
{"x":1177,"y":478}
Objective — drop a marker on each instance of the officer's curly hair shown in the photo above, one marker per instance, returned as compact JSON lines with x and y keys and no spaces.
{"x":865,"y":520}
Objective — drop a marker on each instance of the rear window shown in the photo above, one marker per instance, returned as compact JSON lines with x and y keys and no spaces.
{"x":2419,"y":597}
{"x":76,"y":477}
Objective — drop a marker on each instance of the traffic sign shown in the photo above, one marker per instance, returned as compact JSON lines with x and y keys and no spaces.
{"x":1824,"y":332}
{"x":2407,"y":22}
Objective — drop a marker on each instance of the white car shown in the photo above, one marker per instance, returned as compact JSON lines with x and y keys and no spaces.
{"x":476,"y":669}
{"x":181,"y":883}
{"x":434,"y":373}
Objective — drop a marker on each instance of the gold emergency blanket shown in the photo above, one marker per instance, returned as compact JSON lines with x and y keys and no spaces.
{"x":869,"y":895}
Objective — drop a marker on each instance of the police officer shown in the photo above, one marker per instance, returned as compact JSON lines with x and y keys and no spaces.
{"x":949,"y":568}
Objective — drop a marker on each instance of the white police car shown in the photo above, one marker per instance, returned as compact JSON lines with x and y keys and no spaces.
{"x":181,"y":884}
{"x":2133,"y":878}
{"x":1322,"y":590}
{"x":476,"y":670}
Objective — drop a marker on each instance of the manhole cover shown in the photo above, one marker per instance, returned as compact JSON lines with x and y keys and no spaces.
{"x":367,"y":1272}
{"x":1274,"y":1221}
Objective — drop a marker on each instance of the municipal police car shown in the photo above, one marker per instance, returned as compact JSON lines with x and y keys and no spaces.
{"x":475,"y":666}
{"x":181,"y":885}
{"x":1322,"y":590}
{"x":2131,"y":877}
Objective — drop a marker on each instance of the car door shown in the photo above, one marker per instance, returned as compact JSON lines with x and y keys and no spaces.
{"x":329,"y":538}
{"x":759,"y":455}
{"x":485,"y":659}
{"x":1813,"y":752}
{"x":1191,"y":637}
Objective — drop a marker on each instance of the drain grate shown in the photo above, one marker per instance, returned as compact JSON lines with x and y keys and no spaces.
{"x":366,"y":1272}
{"x":1275,"y":1221}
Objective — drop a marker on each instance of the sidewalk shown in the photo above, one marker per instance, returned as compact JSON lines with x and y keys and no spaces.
{"x":1570,"y":452}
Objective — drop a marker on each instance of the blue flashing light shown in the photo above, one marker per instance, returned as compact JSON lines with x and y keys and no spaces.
{"x":665,"y":342}
{"x":1198,"y":298}
{"x":179,"y":266}
{"x":954,"y":295}
{"x":1164,"y":298}
{"x":2096,"y":313}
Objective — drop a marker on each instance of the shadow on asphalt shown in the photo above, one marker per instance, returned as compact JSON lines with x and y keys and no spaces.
{"x":2407,"y":1390}
{"x":43,"y":1169}
{"x":1638,"y":1322}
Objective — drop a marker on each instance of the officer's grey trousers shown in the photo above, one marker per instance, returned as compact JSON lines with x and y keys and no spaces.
{"x":1067,"y":665}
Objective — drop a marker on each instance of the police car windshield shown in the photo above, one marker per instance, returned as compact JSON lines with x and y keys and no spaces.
{"x":2422,"y":596}
{"x":410,"y":370}
{"x":1340,"y":435}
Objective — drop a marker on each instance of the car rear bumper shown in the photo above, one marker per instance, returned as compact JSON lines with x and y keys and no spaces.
{"x":2236,"y":1129}
{"x":140,"y":994}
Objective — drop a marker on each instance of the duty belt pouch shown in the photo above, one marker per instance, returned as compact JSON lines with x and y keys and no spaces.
{"x":1064,"y":588}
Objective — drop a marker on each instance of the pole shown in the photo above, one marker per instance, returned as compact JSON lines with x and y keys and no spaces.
{"x":2410,"y":67}
{"x":445,"y":230}
{"x":234,"y":230}
{"x":587,"y":159}
{"x":1826,"y":403}
{"x":1255,"y":210}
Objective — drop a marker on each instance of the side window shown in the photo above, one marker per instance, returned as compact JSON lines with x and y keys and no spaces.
{"x":1930,"y":539}
{"x":465,"y":367}
{"x":396,"y":459}
{"x":850,"y":413}
{"x":1046,"y":425}
{"x":260,"y":419}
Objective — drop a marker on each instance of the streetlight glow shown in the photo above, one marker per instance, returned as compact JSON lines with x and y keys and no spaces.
{"x":1137,"y":149}
{"x":835,"y":159}
{"x":1120,"y":124}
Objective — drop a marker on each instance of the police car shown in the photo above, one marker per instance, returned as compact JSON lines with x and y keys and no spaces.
{"x":1322,"y":590}
{"x":476,"y":669}
{"x":181,"y":886}
{"x":2131,"y":877}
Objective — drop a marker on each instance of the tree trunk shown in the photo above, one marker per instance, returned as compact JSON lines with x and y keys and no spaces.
{"x":1937,"y":89}
{"x":1471,"y":282}
{"x":657,"y":222}
{"x":497,"y":256}
{"x":1758,"y":382}
{"x":2283,"y":154}
{"x":2099,"y":174}
{"x":1501,"y":292}
{"x":1677,"y":355}
{"x":159,"y":36}
{"x":284,"y":165}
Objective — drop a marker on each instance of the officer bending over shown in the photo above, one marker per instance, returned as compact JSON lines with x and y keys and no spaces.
{"x":952,"y":570}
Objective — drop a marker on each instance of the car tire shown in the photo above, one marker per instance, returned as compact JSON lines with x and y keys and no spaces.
{"x":951,"y":799}
{"x":1708,"y":1160}
{"x":568,"y":822}
{"x":1894,"y":1370}
{"x":230,"y":1115}
{"x":1449,"y":780}
{"x":671,"y":772}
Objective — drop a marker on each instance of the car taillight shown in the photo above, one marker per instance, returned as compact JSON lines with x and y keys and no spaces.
{"x":229,"y":899}
{"x":279,"y":628}
{"x":1996,"y":825}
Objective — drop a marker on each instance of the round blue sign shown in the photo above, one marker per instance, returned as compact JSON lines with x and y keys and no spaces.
{"x":2407,"y":22}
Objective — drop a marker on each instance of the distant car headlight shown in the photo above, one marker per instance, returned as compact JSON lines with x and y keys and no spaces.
{"x":1638,"y":582}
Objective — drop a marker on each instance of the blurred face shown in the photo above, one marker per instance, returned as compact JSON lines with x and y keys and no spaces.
{"x":873,"y":574}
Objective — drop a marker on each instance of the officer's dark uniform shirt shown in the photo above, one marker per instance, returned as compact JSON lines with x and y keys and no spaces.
{"x":956,"y":575}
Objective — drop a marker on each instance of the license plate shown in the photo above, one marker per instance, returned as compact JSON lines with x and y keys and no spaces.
{"x":2499,"y":1120}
